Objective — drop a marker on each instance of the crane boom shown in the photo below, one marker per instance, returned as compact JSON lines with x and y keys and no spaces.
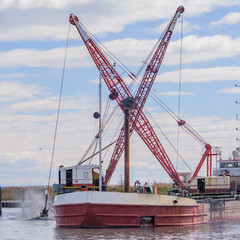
{"x":120,"y":92}
{"x":111,"y":77}
{"x":143,"y":92}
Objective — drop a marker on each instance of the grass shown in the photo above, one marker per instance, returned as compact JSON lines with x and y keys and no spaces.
{"x":11,"y":193}
{"x":15,"y":193}
{"x":162,"y":188}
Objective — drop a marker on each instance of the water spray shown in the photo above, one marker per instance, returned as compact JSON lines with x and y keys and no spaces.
{"x":44,"y":211}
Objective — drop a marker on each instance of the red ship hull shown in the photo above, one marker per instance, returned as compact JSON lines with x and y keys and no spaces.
{"x":106,"y":209}
{"x":105,"y":215}
{"x":134,"y":210}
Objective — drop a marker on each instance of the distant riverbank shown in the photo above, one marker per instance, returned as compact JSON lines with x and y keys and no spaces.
{"x":15,"y":193}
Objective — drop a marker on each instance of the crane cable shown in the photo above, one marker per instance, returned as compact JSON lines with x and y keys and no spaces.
{"x":187,"y":128}
{"x":103,"y":122}
{"x":125,"y":70}
{"x":165,"y":136}
{"x":135,"y":79}
{"x":121,"y":65}
{"x":179,"y":90}
{"x":44,"y":212}
{"x":95,"y":140}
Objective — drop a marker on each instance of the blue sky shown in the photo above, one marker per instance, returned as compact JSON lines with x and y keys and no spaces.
{"x":32,"y":48}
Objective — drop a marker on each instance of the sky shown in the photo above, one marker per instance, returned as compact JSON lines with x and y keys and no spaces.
{"x":36,"y":39}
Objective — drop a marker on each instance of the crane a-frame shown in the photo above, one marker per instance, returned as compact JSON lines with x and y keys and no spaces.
{"x":120,"y":92}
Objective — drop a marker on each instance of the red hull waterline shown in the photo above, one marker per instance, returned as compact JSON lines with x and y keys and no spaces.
{"x":108,"y":209}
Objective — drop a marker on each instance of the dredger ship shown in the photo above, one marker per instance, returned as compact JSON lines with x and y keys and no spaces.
{"x":207,"y":199}
{"x":83,"y":199}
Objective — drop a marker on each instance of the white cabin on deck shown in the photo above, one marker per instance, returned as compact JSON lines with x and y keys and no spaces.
{"x":79,"y":175}
{"x":213,"y":184}
{"x":230,"y":167}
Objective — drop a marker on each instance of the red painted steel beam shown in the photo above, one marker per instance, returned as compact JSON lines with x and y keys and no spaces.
{"x":207,"y":154}
{"x":115,"y":83}
{"x":143,"y":92}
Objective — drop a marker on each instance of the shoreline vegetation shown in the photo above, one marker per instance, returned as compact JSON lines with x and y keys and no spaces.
{"x":15,"y":193}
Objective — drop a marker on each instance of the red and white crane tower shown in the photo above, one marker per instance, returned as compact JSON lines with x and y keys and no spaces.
{"x":120,"y":92}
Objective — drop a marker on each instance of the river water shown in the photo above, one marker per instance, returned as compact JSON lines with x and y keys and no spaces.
{"x":14,"y":227}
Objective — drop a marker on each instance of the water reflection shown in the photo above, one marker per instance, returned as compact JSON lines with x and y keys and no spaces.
{"x":204,"y":231}
{"x":13,"y":226}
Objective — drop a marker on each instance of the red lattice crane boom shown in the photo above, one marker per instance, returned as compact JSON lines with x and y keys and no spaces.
{"x":119,"y":92}
{"x":140,"y":99}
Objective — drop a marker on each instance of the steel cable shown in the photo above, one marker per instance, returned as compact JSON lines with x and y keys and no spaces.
{"x":58,"y":112}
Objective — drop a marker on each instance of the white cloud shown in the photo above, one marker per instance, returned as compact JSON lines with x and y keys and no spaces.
{"x":175,"y":93}
{"x":197,"y":8}
{"x":187,"y":27}
{"x":52,"y":58}
{"x":34,"y":106}
{"x":26,"y":21}
{"x":29,"y":24}
{"x":12,"y":91}
{"x":235,"y":90}
{"x":30,"y":4}
{"x":33,"y":135}
{"x":33,"y":132}
{"x":202,"y":75}
{"x":229,"y":19}
{"x":203,"y":49}
{"x":27,"y":122}
{"x":49,"y":103}
{"x":12,"y":75}
{"x":35,"y":32}
{"x":130,"y":51}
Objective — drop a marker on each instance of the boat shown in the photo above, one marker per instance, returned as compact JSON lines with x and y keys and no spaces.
{"x":82,"y":198}
{"x":117,"y":209}
{"x":208,"y":199}
{"x":230,"y":167}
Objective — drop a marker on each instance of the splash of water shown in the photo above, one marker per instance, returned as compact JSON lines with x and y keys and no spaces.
{"x":33,"y":202}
